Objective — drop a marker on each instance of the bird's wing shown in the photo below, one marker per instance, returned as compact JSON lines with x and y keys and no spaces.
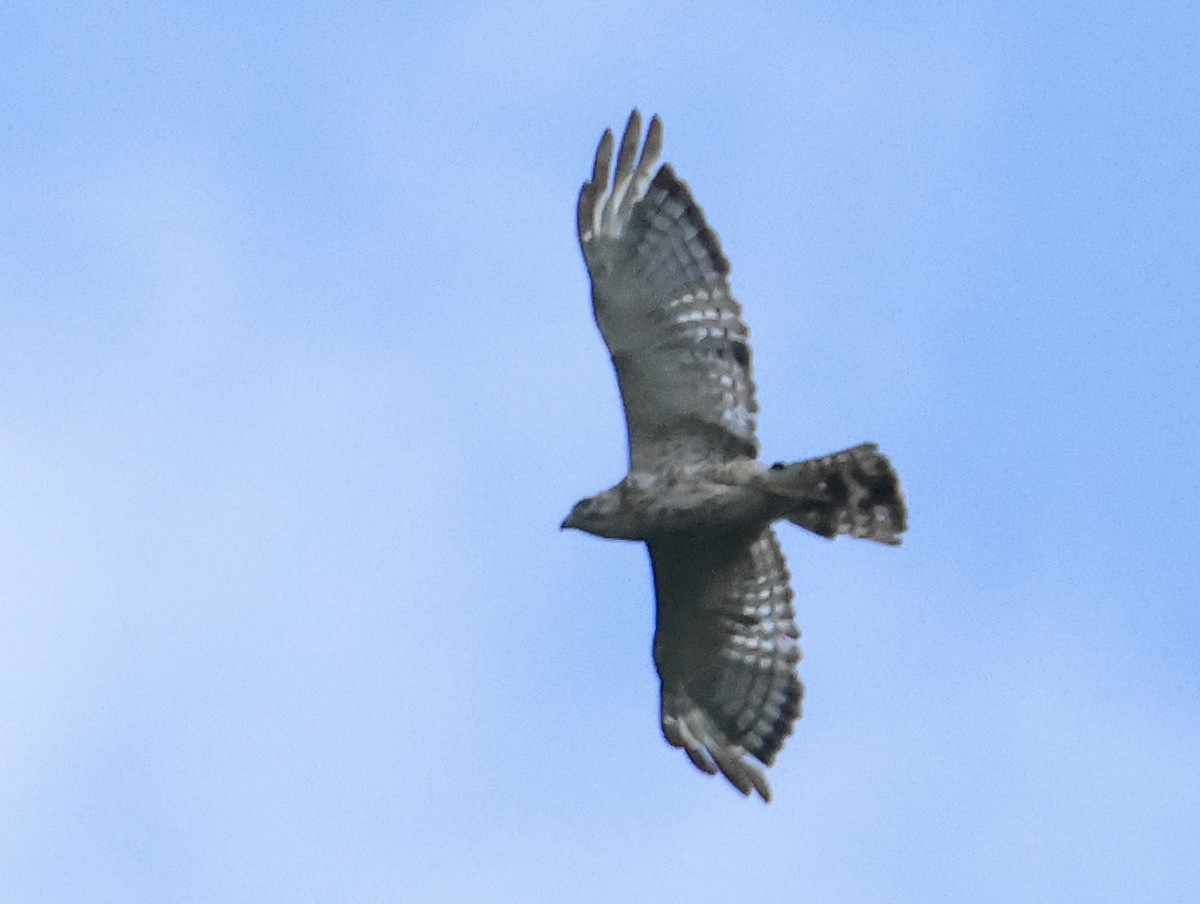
{"x":665,"y":309}
{"x":726,"y":650}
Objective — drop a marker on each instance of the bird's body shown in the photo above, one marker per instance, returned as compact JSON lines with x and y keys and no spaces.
{"x":726,"y":641}
{"x":682,"y":499}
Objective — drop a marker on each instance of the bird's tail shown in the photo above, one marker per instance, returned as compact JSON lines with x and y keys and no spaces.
{"x":854,"y":492}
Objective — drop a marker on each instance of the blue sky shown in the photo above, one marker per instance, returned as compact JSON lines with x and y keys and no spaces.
{"x":298,"y":377}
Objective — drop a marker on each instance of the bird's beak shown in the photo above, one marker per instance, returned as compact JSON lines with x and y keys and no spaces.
{"x":568,"y":522}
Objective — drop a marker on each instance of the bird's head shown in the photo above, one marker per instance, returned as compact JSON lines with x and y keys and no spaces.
{"x":597,"y":514}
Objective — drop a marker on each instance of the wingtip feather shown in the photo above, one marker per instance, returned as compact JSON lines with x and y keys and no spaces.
{"x":629,"y":148}
{"x":594,"y":193}
{"x":603,"y":162}
{"x":607,"y":199}
{"x":710,"y":752}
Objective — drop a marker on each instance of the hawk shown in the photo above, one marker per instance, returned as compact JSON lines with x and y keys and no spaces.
{"x":726,"y":641}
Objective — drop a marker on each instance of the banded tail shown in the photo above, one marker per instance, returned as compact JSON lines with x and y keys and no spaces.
{"x":854,"y":492}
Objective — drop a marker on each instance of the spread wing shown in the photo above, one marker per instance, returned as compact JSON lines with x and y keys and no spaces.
{"x":726,"y":650}
{"x":664,"y":307}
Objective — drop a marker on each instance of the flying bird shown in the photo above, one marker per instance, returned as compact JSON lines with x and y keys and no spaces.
{"x":726,"y":642}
